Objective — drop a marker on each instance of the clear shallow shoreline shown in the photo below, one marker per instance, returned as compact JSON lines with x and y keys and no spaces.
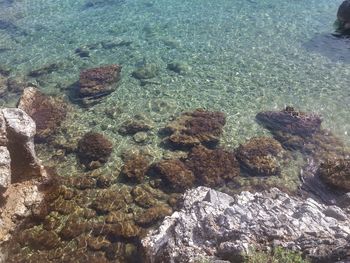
{"x":240,"y":58}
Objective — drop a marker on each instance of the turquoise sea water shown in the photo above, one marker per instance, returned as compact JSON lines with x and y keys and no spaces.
{"x":240,"y":57}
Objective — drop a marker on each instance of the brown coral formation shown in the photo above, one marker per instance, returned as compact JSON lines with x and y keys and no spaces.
{"x":135,"y":167}
{"x":47,"y":112}
{"x":212,"y":167}
{"x":261,"y":156}
{"x":197,"y":127}
{"x":175,"y":174}
{"x":98,"y":82}
{"x":133,"y":126}
{"x":336,"y":173}
{"x":94,"y":150}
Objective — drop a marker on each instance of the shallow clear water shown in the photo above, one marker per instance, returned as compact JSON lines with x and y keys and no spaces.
{"x":243,"y":56}
{"x":240,"y":57}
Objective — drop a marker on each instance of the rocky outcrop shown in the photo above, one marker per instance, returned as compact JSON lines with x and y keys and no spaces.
{"x":20,"y":169}
{"x":214,"y":225}
{"x":95,"y":83}
{"x":197,"y":127}
{"x":18,"y":160}
{"x":47,"y":112}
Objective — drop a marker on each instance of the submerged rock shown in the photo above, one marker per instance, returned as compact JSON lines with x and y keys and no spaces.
{"x":197,"y":127}
{"x":146,"y":71}
{"x":290,"y":121}
{"x":95,"y":83}
{"x":212,"y":225}
{"x":336,"y":173}
{"x":47,"y":112}
{"x":94,"y":150}
{"x":212,"y":167}
{"x":135,"y":125}
{"x":343,"y":16}
{"x":136,"y":167}
{"x":48,"y":69}
{"x":261,"y":156}
{"x":175,"y":174}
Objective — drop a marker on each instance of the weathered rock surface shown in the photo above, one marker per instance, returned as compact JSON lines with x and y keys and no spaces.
{"x":95,"y":83}
{"x":17,"y":135}
{"x":212,"y":225}
{"x":20,"y":169}
{"x":197,"y":127}
{"x":47,"y":112}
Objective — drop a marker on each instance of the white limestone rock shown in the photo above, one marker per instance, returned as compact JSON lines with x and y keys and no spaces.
{"x":213,"y":225}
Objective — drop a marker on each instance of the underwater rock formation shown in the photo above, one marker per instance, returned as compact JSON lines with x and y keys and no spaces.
{"x":343,"y":17}
{"x":290,"y":121}
{"x":47,"y":112}
{"x":212,"y":167}
{"x":135,"y":167}
{"x":261,"y":156}
{"x":146,"y":71}
{"x":215,"y":226}
{"x":138,"y":124}
{"x":197,"y":127}
{"x":336,"y":173}
{"x":95,"y":83}
{"x":94,"y":150}
{"x":303,"y":132}
{"x":175,"y":174}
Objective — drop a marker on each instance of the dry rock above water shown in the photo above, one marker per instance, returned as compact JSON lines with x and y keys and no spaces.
{"x":20,"y":169}
{"x":214,"y":225}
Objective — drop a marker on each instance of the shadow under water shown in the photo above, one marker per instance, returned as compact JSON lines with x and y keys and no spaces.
{"x":334,"y":47}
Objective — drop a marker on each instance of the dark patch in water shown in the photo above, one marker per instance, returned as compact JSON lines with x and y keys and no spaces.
{"x":335,"y":48}
{"x":6,"y":3}
{"x":11,"y":28}
{"x":101,"y":3}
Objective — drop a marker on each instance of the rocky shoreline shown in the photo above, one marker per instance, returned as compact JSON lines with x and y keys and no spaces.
{"x":200,"y":201}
